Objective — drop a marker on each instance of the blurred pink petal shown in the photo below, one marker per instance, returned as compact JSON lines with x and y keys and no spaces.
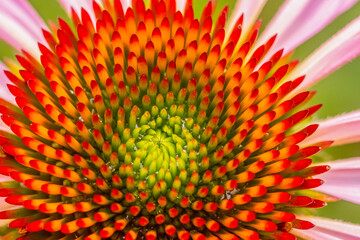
{"x":6,"y":95}
{"x":5,"y":178}
{"x":4,"y":127}
{"x":180,"y":5}
{"x":4,"y":222}
{"x":20,"y":25}
{"x":4,"y":91}
{"x":87,"y":5}
{"x":24,"y":13}
{"x":338,"y":50}
{"x":327,"y":229}
{"x":297,"y":21}
{"x":343,"y":129}
{"x":4,"y":205}
{"x":77,"y":5}
{"x":343,"y":180}
{"x":125,"y":4}
{"x":251,"y":11}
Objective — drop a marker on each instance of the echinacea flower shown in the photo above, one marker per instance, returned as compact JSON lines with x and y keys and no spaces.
{"x":140,"y":121}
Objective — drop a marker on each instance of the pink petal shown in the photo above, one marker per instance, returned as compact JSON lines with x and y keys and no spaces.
{"x":317,"y":233}
{"x":5,"y":178}
{"x":338,"y":50}
{"x":4,"y":91}
{"x":328,"y":229}
{"x":77,"y":5}
{"x":20,"y":26}
{"x":4,"y":222}
{"x":251,"y":11}
{"x":342,"y":129}
{"x":343,"y":189}
{"x":87,"y":5}
{"x":12,"y":41}
{"x":180,"y":5}
{"x":6,"y":95}
{"x":4,"y":127}
{"x":297,"y":21}
{"x":22,"y":12}
{"x":16,"y":35}
{"x":3,"y":79}
{"x":126,"y":4}
{"x":4,"y":205}
{"x":350,"y":163}
{"x":343,"y":180}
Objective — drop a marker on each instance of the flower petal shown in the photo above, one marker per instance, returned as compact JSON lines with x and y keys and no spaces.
{"x":24,"y":13}
{"x":87,"y":5}
{"x":351,"y":163}
{"x":180,"y":5}
{"x":338,"y":50}
{"x":4,"y":91}
{"x":4,"y":127}
{"x":20,"y":25}
{"x":328,"y":229}
{"x":6,"y":95}
{"x":342,"y":129}
{"x":251,"y":11}
{"x":77,"y":5}
{"x":297,"y":21}
{"x":4,"y":205}
{"x":343,"y":180}
{"x":126,"y":4}
{"x":5,"y":178}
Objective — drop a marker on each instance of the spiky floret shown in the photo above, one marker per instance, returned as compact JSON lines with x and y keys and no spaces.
{"x":155,"y":125}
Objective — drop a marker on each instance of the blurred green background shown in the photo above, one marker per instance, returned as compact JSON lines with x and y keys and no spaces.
{"x":339,"y":92}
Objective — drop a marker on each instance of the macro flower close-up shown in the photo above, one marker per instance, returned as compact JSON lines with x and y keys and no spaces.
{"x":179,"y":119}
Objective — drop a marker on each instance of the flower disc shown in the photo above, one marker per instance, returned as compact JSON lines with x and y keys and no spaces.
{"x":155,"y":125}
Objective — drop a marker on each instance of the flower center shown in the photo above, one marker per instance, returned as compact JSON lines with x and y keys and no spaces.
{"x":154,"y":125}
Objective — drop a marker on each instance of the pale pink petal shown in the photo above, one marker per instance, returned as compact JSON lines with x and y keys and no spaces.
{"x":68,"y":4}
{"x":340,"y":49}
{"x":297,"y":21}
{"x":77,"y":5}
{"x":343,"y":180}
{"x":126,"y":4}
{"x":343,"y":188}
{"x":4,"y":178}
{"x":87,"y":5}
{"x":327,"y":229}
{"x":31,"y":13}
{"x":16,"y":35}
{"x":22,"y":12}
{"x":20,"y":26}
{"x":350,"y":163}
{"x":11,"y":40}
{"x":317,"y":233}
{"x":4,"y":91}
{"x":4,"y":205}
{"x":6,"y":95}
{"x":4,"y":127}
{"x":180,"y":5}
{"x":3,"y":79}
{"x":4,"y":222}
{"x":251,"y":11}
{"x":342,"y":129}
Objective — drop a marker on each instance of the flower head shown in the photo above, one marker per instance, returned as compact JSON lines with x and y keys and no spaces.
{"x":147,"y":123}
